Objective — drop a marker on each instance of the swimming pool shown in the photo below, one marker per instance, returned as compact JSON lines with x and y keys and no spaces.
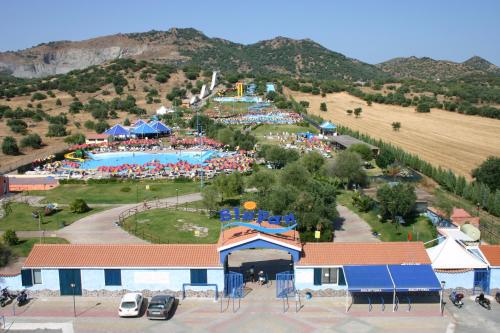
{"x":140,"y":158}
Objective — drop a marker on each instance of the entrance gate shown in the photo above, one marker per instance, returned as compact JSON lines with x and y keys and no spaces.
{"x":284,"y":284}
{"x":481,"y":280}
{"x":233,"y":285}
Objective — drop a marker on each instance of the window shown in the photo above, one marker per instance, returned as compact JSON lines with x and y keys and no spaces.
{"x":199,"y":276}
{"x":326,"y":276}
{"x":37,"y":276}
{"x":329,"y":275}
{"x":112,"y":277}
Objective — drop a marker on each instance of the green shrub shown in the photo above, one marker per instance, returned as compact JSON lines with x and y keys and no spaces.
{"x":10,"y":237}
{"x":79,"y":206}
{"x":5,"y":255}
{"x":56,"y":130}
{"x":32,"y":140}
{"x":9,"y":146}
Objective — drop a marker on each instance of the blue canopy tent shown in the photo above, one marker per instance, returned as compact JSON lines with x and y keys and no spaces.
{"x":118,"y":130}
{"x":160,"y":127}
{"x":139,"y":123}
{"x":144,"y":130}
{"x":327,"y":127}
{"x":391,"y":278}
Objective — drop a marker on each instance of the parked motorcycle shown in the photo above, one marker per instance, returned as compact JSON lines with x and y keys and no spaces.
{"x":456,"y":299}
{"x":5,"y":297}
{"x":483,"y":301}
{"x":497,"y":296}
{"x":22,"y":298}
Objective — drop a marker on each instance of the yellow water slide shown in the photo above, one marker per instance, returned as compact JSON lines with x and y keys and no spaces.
{"x":71,"y":156}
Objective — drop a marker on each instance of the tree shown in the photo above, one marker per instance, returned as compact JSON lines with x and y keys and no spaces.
{"x":489,"y":173}
{"x":9,"y":146}
{"x":312,"y":161}
{"x":348,"y":168}
{"x":89,"y":124}
{"x":263,"y":180}
{"x":56,"y":130}
{"x":32,"y":140}
{"x":396,"y":200}
{"x":75,"y":139}
{"x":322,"y":107}
{"x":79,"y":206}
{"x":126,"y":122}
{"x":423,"y":107}
{"x":229,"y":185}
{"x":363,"y":150}
{"x":226,"y":136}
{"x":396,"y":125}
{"x":295,"y":174}
{"x":10,"y":237}
{"x":385,"y":158}
{"x":278,"y":157}
{"x":101,"y":126}
{"x":211,"y":198}
{"x":357,"y":112}
{"x":58,"y":102}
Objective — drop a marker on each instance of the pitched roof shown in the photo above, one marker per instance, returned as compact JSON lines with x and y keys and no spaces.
{"x":123,"y":255}
{"x":97,"y":136}
{"x":32,"y":180}
{"x":449,"y":254}
{"x":238,"y":235}
{"x":492,"y":254}
{"x":459,"y":213}
{"x":363,"y":254}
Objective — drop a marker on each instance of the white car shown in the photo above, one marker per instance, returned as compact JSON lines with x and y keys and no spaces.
{"x":130,"y":305}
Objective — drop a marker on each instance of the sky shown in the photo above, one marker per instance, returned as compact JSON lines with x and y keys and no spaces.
{"x":371,"y":31}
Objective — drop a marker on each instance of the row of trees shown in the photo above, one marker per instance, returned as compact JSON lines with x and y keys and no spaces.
{"x":477,"y":193}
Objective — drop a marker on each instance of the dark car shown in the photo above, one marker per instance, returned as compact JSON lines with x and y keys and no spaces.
{"x":159,"y":307}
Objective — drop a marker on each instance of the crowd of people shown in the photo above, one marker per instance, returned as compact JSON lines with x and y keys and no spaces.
{"x":273,"y":118}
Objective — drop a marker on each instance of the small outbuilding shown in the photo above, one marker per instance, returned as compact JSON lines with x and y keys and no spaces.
{"x":345,"y":141}
{"x":22,"y":183}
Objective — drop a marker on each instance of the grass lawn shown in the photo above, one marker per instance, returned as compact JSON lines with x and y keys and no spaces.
{"x":117,"y":193}
{"x":420,"y":227}
{"x":20,"y":218}
{"x":171,"y":226}
{"x":26,"y":244}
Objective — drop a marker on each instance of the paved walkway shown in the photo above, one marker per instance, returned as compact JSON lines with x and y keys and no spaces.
{"x":101,"y":228}
{"x":349,"y":227}
{"x":320,"y":314}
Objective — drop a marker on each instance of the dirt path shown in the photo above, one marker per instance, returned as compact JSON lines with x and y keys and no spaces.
{"x":349,"y":227}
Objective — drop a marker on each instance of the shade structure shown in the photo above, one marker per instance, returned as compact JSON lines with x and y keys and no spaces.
{"x":328,"y":126}
{"x":139,"y":123}
{"x":449,"y":254}
{"x":372,"y":278}
{"x":117,"y":130}
{"x":160,"y":127}
{"x":414,"y":278}
{"x":145,"y":129}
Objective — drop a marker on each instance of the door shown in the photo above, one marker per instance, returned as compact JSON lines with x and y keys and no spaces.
{"x":70,"y":282}
{"x":481,"y":280}
{"x":233,"y":285}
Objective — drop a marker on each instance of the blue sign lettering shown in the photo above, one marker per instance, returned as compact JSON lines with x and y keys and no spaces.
{"x":262,"y":215}
{"x":275,"y":219}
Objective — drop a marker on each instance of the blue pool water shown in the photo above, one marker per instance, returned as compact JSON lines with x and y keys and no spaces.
{"x":119,"y":158}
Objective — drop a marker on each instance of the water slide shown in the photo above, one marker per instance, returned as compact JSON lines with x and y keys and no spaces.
{"x":71,"y":157}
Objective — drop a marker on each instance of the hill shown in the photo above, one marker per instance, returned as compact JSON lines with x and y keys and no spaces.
{"x":429,"y":69}
{"x":280,"y":55}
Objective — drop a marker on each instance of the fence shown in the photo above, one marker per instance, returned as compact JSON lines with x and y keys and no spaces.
{"x":149,"y":205}
{"x":489,"y":232}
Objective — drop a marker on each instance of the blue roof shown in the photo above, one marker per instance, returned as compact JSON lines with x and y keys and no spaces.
{"x":145,"y":129}
{"x":328,"y":125}
{"x":414,"y":278}
{"x":139,"y":123}
{"x":373,"y":278}
{"x":160,"y":127}
{"x":117,"y":130}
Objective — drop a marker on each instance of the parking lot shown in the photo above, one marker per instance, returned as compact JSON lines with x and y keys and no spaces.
{"x":55,"y":314}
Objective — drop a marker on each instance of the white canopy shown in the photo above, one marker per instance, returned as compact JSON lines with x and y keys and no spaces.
{"x":163,"y":110}
{"x":451,"y":255}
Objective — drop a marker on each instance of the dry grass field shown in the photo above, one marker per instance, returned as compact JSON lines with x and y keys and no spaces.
{"x":444,"y":138}
{"x":52,"y":145}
